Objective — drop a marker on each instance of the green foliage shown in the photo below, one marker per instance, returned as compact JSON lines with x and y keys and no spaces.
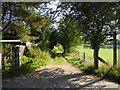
{"x":109,"y":42}
{"x":36,"y":59}
{"x":58,"y":49}
{"x":53,"y":39}
{"x":95,"y":20}
{"x":29,"y":64}
{"x":36,"y":53}
{"x":68,"y":34}
{"x":44,"y":36}
{"x":23,"y":21}
{"x":6,"y":65}
{"x":6,"y":50}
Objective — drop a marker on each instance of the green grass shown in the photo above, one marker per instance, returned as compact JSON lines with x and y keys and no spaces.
{"x":58,"y":60}
{"x":106,"y":54}
{"x":106,"y":72}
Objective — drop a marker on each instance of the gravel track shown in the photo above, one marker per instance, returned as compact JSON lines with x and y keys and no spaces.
{"x":58,"y":76}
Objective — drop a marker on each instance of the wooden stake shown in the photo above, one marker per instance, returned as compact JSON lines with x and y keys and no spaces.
{"x":114,"y":50}
{"x":83,"y":56}
{"x":103,"y":61}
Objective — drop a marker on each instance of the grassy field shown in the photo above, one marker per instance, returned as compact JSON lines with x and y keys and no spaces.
{"x":106,"y":54}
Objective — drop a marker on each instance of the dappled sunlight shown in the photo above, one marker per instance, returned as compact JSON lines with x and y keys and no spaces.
{"x":57,"y":76}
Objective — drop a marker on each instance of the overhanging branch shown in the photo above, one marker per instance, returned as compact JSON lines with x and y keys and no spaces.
{"x":10,"y":20}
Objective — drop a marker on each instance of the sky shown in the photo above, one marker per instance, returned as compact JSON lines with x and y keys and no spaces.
{"x":53,"y":4}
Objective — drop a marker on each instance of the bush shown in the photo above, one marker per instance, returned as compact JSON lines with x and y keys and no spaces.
{"x":29,"y":64}
{"x":36,"y":53}
{"x":57,"y":50}
{"x":36,"y":59}
{"x":41,"y":58}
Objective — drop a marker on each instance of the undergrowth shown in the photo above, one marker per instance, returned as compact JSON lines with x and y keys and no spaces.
{"x":34,"y":59}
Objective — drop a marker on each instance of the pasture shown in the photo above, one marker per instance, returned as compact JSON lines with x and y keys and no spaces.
{"x":105,"y":53}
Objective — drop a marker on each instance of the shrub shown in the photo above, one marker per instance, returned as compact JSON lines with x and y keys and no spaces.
{"x":36,"y":53}
{"x":32,"y":63}
{"x":57,"y":50}
{"x":36,"y":59}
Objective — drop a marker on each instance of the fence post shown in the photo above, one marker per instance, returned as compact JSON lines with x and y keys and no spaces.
{"x":114,"y":49}
{"x":83,"y":56}
{"x":13,"y":56}
{"x":17,"y":60}
{"x":21,"y":51}
{"x":78,"y":54}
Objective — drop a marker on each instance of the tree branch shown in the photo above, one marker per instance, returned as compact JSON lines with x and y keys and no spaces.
{"x":10,"y":20}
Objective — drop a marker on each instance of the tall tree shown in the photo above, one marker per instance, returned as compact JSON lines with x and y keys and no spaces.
{"x":22,"y":20}
{"x":68,"y":33}
{"x":94,"y":20}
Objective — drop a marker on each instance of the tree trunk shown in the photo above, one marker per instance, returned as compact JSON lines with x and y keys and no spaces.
{"x":96,"y":50}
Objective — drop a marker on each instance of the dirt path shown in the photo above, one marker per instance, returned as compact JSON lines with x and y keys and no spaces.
{"x":58,"y":76}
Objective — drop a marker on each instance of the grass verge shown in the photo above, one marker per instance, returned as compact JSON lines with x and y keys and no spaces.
{"x":58,"y":60}
{"x":108,"y":73}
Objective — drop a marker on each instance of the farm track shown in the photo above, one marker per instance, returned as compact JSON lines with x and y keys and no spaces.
{"x":58,"y":76}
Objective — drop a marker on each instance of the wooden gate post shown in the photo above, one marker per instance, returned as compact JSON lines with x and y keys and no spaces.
{"x":114,"y":50}
{"x":17,"y":60}
{"x":13,"y":56}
